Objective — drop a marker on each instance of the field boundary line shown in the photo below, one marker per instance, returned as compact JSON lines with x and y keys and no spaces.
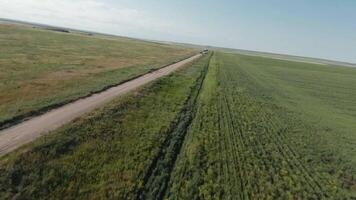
{"x":170,"y":149}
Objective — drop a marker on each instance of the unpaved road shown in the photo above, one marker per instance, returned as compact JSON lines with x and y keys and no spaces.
{"x":27,"y":131}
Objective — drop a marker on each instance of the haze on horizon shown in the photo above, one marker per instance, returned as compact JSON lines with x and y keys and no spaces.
{"x":321,"y":29}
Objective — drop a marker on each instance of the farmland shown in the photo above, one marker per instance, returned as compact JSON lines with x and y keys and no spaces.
{"x":268,"y":128}
{"x":227,"y":126}
{"x":41,"y":69}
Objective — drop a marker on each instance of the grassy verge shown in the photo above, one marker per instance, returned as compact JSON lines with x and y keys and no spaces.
{"x":43,"y":69}
{"x":106,"y":154}
{"x":159,"y":173}
{"x":196,"y":159}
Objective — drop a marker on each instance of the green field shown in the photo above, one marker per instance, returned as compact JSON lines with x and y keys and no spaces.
{"x":40,"y":69}
{"x":228,"y":126}
{"x":270,"y":129}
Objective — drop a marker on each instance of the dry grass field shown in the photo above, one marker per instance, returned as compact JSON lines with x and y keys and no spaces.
{"x":40,"y":68}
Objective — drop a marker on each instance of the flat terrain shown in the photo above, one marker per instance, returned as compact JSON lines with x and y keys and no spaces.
{"x":269,"y":128}
{"x":28,"y":131}
{"x":227,"y":126}
{"x":270,"y":55}
{"x":111,"y":152}
{"x":287,"y":57}
{"x":42,"y":69}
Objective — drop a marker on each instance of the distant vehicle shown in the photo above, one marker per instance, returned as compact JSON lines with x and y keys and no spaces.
{"x":205,"y":51}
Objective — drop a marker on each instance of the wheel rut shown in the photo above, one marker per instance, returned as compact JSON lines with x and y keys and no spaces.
{"x":156,"y":180}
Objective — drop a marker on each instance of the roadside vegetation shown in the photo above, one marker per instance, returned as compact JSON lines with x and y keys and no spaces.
{"x":112,"y":152}
{"x":42,"y":69}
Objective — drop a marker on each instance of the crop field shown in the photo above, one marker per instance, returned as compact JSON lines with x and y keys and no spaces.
{"x":43,"y":69}
{"x":269,"y":129}
{"x":227,"y":126}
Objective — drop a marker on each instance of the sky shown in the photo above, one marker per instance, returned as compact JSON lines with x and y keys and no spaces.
{"x":313,"y":28}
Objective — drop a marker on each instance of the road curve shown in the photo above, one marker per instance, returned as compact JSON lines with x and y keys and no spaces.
{"x":27,"y":131}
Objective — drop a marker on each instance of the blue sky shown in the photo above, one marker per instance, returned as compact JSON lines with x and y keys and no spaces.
{"x":315,"y":28}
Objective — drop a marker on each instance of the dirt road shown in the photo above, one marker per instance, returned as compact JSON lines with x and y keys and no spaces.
{"x":27,"y":131}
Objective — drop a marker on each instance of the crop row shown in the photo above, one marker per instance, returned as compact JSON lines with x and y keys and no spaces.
{"x":237,"y":146}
